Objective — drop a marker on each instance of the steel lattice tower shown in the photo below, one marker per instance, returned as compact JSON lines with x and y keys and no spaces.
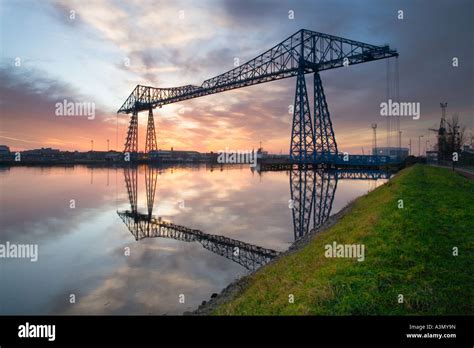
{"x":150,"y":143}
{"x":324,"y":133}
{"x":302,"y":134}
{"x":302,"y":53}
{"x":131,"y":144}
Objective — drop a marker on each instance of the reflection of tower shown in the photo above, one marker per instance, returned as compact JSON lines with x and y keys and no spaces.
{"x":325,"y":188}
{"x":312,"y":193}
{"x":131,"y":181}
{"x":148,"y":226}
{"x":151,"y":176}
{"x":301,"y":190}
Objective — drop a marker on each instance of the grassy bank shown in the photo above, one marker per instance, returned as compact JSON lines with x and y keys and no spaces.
{"x":408,"y":251}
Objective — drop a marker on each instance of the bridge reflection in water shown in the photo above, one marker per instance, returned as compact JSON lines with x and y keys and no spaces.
{"x":312,"y":195}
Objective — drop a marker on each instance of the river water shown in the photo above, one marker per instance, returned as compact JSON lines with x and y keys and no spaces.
{"x":152,"y":240}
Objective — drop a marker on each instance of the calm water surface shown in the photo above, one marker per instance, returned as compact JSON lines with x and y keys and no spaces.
{"x":82,"y":249}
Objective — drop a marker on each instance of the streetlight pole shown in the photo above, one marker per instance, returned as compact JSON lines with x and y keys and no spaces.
{"x":419,"y":145}
{"x":374,"y":127}
{"x":108,"y":148}
{"x":399,"y":144}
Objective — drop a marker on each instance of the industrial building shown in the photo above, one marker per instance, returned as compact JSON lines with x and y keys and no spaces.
{"x":393,"y":152}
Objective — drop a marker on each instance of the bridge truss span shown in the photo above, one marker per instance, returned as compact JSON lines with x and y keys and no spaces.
{"x":310,"y":50}
{"x":302,"y":53}
{"x":247,"y":255}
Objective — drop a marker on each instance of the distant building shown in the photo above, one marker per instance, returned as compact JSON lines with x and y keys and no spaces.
{"x":175,"y":156}
{"x":44,"y":152}
{"x":113,"y":156}
{"x":209,"y":157}
{"x":392,"y":152}
{"x":4,"y":150}
{"x":5,"y":154}
{"x":261,"y":154}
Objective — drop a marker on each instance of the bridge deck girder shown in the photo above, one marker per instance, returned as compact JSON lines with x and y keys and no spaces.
{"x":315,"y":51}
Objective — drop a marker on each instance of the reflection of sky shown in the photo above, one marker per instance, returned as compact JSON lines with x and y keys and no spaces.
{"x":81,"y":250}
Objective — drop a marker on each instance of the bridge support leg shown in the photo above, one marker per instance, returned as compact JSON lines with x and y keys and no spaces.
{"x":302,"y":187}
{"x":325,"y":188}
{"x":131,"y":144}
{"x":151,"y":177}
{"x":326,"y":146}
{"x":131,"y":182}
{"x":312,"y":193}
{"x":302,"y":148}
{"x":150,"y":143}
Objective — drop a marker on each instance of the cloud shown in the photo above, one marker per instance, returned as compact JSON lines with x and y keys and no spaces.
{"x":28,"y":112}
{"x":172,"y":44}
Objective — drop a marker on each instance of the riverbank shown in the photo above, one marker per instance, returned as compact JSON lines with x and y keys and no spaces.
{"x":418,"y":258}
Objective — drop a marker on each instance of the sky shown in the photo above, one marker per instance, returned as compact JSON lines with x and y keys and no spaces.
{"x":97,"y":51}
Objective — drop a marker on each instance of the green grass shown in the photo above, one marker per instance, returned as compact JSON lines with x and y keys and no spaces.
{"x":408,"y":251}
